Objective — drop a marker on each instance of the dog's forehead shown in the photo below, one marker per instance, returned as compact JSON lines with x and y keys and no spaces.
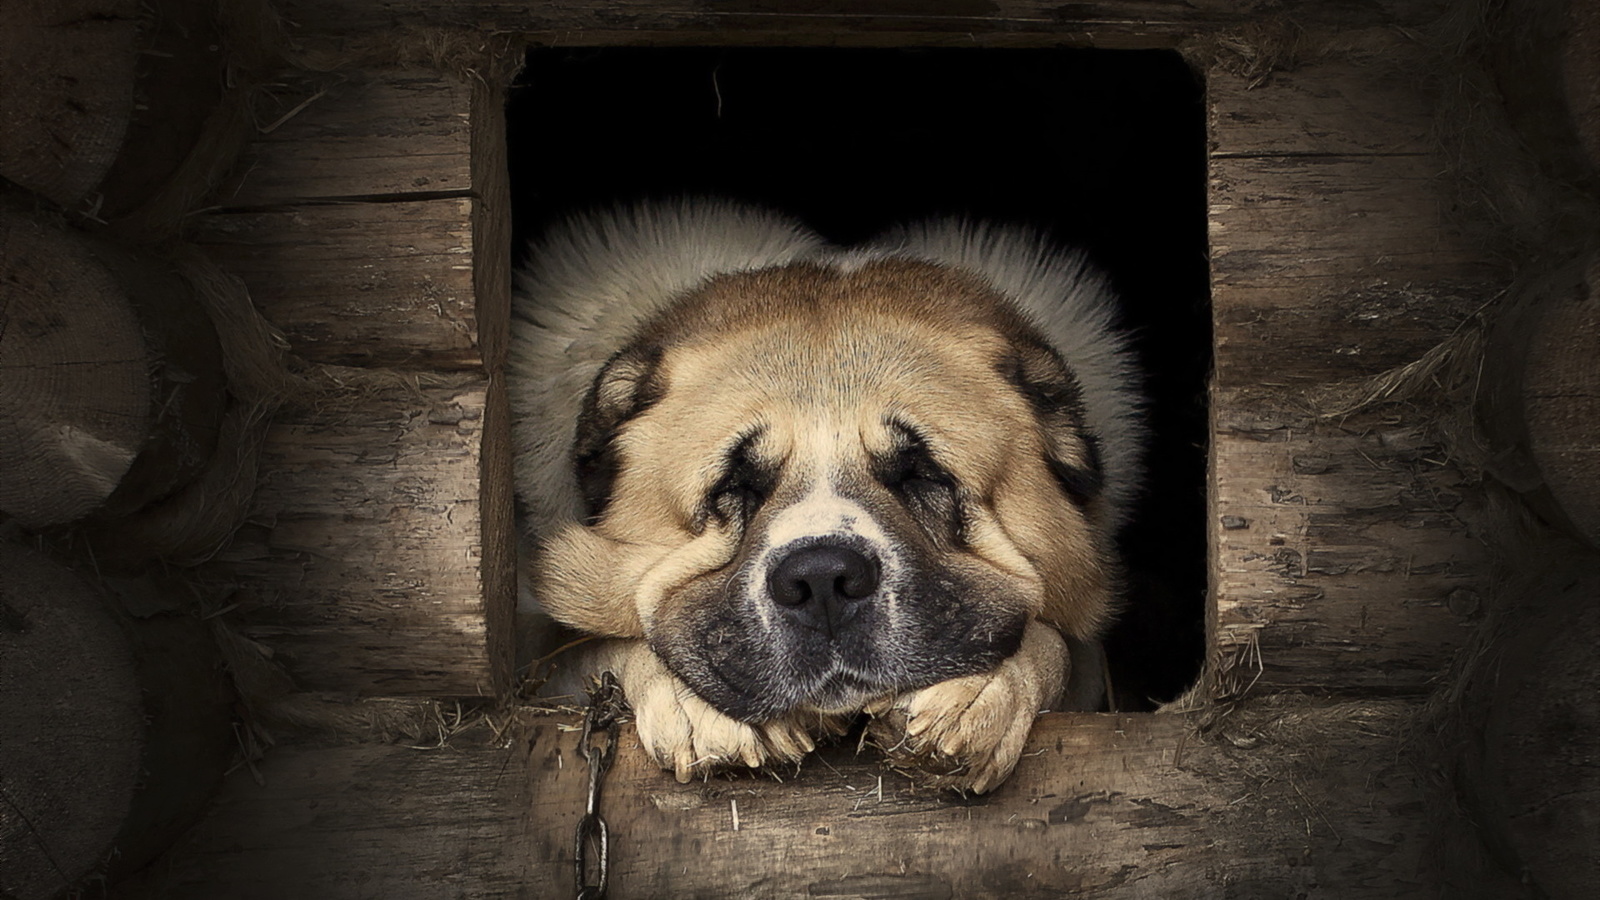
{"x":806,"y":326}
{"x":819,"y":363}
{"x":825,"y":399}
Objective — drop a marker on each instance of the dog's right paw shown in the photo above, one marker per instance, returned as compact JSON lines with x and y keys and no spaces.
{"x":689,"y":737}
{"x":685,"y":734}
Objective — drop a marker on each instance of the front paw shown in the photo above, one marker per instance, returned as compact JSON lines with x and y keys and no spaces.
{"x":690,"y":737}
{"x":967,"y":733}
{"x":685,"y":734}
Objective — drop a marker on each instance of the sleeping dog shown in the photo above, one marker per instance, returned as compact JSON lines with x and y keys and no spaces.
{"x":792,"y":483}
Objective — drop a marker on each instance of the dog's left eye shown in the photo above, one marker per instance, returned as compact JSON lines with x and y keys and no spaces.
{"x":912,"y":473}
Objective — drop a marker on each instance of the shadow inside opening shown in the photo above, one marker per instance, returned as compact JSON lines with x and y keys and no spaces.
{"x":1103,"y":149}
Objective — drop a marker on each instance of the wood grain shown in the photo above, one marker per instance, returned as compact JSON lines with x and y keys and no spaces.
{"x":1580,"y":77}
{"x":1561,"y":400}
{"x":1101,"y":806}
{"x":358,"y":133}
{"x":363,"y":565}
{"x":75,"y":388}
{"x":358,"y":283}
{"x":1540,"y":773}
{"x":1338,"y":543}
{"x":370,"y":222}
{"x":1110,"y":23}
{"x":1541,"y":397}
{"x":357,"y":219}
{"x":73,"y":723}
{"x":66,"y":92}
{"x":1341,"y":549}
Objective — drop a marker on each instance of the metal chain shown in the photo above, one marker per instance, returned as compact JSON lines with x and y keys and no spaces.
{"x":605,"y":710}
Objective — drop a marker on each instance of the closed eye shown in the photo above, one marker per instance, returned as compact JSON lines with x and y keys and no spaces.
{"x":914,"y":469}
{"x":745,"y":483}
{"x":929,"y":490}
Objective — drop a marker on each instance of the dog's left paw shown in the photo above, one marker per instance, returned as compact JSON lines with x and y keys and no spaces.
{"x":968,"y":733}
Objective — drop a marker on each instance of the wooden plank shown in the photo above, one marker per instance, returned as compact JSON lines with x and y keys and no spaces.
{"x":357,"y":134}
{"x":372,"y":226}
{"x":1334,"y":253}
{"x":1121,"y":23}
{"x":358,"y":821}
{"x":363,"y":568}
{"x":1101,"y":806}
{"x":1277,"y":220}
{"x":367,"y":218}
{"x":1341,"y":549}
{"x":1337,"y":545}
{"x":1336,"y":106}
{"x":1299,"y":331}
{"x":491,"y":223}
{"x":371,"y":284}
{"x":491,"y":288}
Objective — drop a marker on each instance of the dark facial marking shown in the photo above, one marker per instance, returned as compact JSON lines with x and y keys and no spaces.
{"x":1040,"y":374}
{"x":928,"y":490}
{"x":1082,"y":483}
{"x":746,"y":483}
{"x":626,"y":386}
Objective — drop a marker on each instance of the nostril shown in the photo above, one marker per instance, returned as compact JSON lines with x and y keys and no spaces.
{"x":790,"y":591}
{"x":823,"y":573}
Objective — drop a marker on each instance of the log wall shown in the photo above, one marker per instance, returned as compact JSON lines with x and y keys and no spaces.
{"x":1102,"y":806}
{"x":1339,"y":539}
{"x":1350,"y":566}
{"x":378,"y":558}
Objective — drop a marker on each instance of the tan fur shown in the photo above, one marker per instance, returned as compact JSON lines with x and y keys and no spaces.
{"x":820,"y":358}
{"x":968,"y":732}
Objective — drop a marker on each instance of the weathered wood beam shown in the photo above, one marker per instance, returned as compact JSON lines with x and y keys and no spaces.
{"x":362,"y":221}
{"x":1346,"y":555}
{"x":370,"y":222}
{"x":1101,"y":806}
{"x":1108,"y":23}
{"x":358,"y":135}
{"x":364,"y":566}
{"x":359,"y":283}
{"x":1343,"y":547}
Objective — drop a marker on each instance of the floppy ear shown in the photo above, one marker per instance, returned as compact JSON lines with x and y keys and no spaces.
{"x":625,"y":387}
{"x":1039,"y":373}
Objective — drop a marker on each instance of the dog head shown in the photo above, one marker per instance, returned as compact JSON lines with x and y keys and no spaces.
{"x":809,"y":487}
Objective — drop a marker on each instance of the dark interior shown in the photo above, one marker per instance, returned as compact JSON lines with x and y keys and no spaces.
{"x":1102,"y":148}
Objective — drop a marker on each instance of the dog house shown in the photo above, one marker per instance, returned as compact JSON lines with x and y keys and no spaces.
{"x":1400,"y":520}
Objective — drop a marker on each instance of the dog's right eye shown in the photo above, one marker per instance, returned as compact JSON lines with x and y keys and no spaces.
{"x":743,"y":487}
{"x":735,"y":502}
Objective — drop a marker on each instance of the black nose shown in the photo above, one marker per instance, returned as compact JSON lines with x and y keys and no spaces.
{"x":820,"y":584}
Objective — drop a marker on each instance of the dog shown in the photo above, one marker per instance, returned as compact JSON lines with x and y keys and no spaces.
{"x":790,"y":483}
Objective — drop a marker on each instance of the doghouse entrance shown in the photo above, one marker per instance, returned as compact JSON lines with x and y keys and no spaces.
{"x":1104,"y":149}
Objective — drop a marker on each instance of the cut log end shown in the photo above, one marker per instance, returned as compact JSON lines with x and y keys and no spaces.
{"x":1561,"y":402}
{"x":1580,"y":69}
{"x":1543,"y":742}
{"x":75,"y":396}
{"x":66,"y":92}
{"x":73,"y":725}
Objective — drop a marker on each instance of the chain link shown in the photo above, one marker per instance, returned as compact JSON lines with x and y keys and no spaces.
{"x":605,"y":711}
